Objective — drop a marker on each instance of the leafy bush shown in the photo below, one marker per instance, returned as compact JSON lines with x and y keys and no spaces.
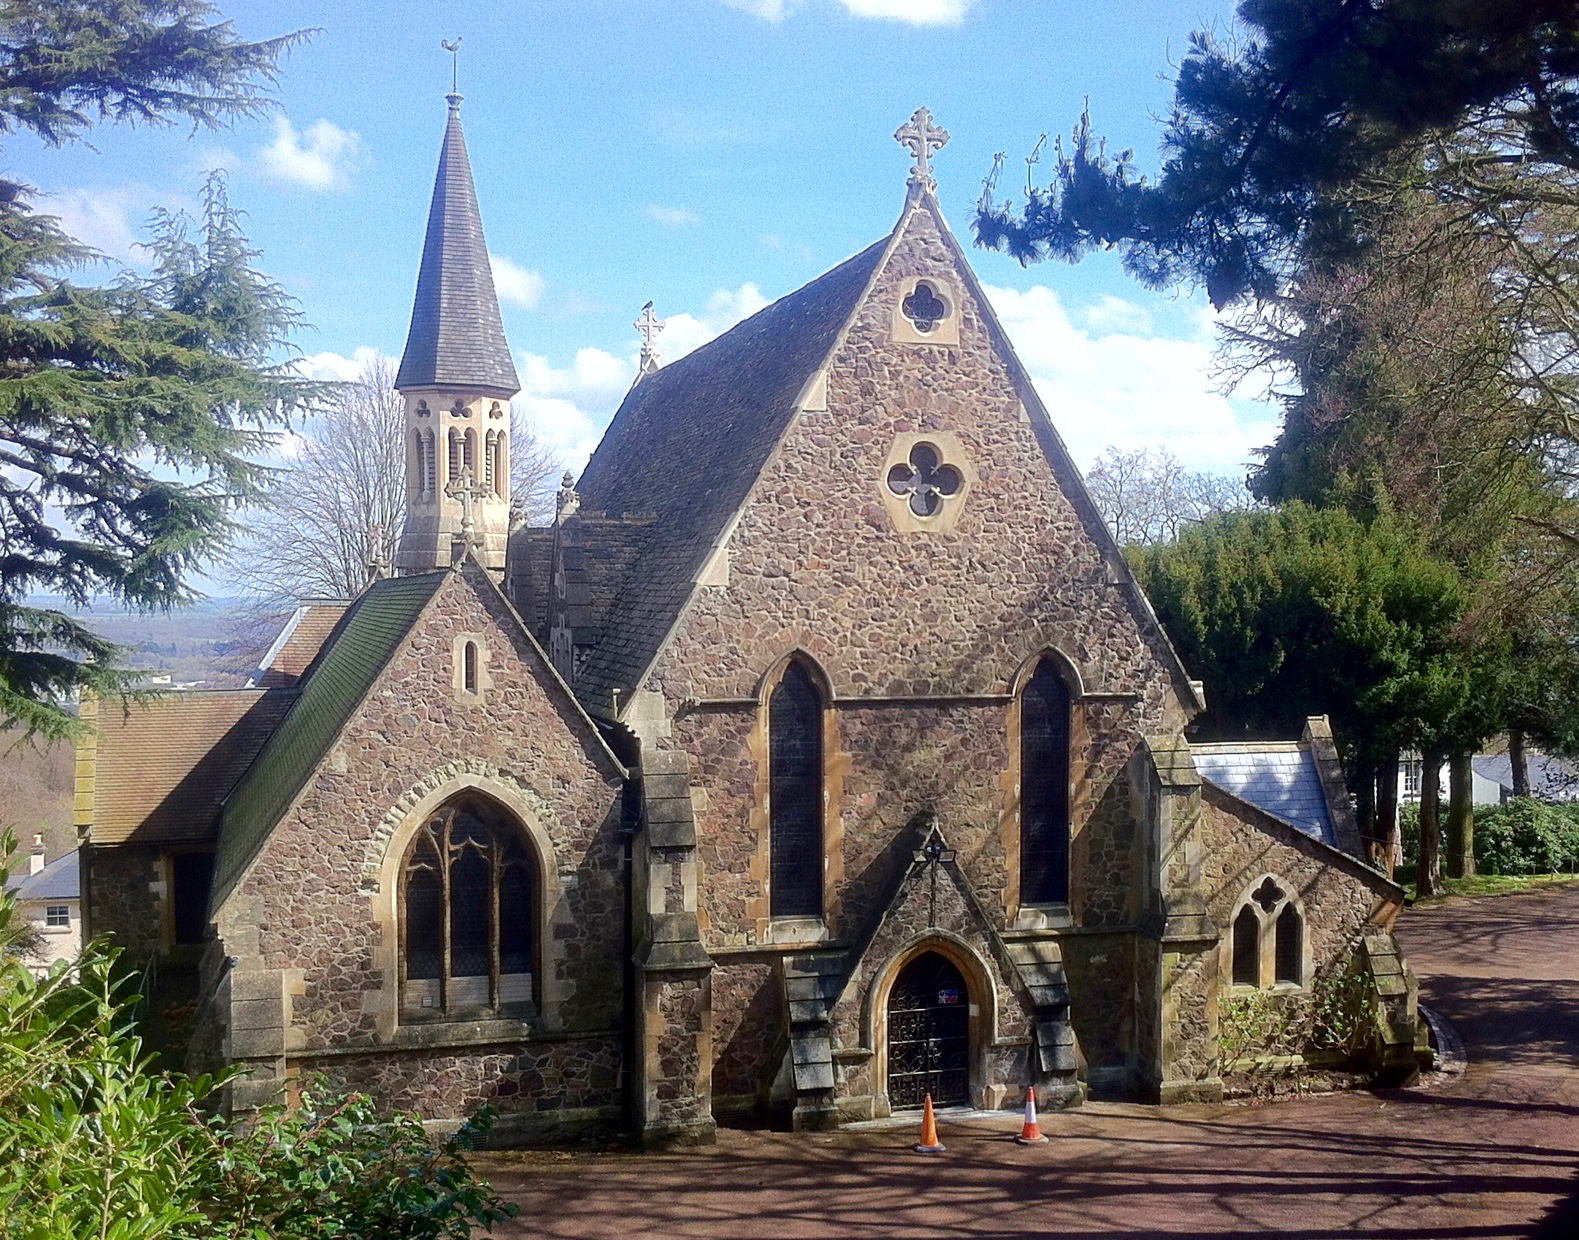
{"x":331,"y":1168}
{"x":95,"y":1144}
{"x":1527,"y":836}
{"x":1332,"y":1014}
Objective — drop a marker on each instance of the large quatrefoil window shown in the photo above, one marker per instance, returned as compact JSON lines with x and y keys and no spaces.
{"x":925,"y":482}
{"x":924,"y":308}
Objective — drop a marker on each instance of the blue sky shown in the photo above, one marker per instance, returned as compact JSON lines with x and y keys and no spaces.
{"x":710,"y":155}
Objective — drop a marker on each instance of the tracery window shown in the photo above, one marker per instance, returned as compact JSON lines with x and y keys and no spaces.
{"x":923,"y":307}
{"x":468,"y":892}
{"x":1269,"y":913}
{"x":1044,"y":788}
{"x":795,"y":795}
{"x":924,"y":481}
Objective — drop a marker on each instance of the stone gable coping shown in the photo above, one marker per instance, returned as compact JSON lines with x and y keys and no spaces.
{"x":434,"y":781}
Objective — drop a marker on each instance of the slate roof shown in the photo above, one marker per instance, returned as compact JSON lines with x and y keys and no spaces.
{"x":298,"y":644}
{"x":1279,"y":778}
{"x":456,"y":337}
{"x":368,"y":635}
{"x":1551,"y":779}
{"x":163,"y":767}
{"x":529,"y":565}
{"x":686,"y":445}
{"x":61,"y":879}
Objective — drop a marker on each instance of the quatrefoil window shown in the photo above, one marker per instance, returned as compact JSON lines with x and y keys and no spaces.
{"x":1267,"y":895}
{"x":925,"y":482}
{"x":924,"y":308}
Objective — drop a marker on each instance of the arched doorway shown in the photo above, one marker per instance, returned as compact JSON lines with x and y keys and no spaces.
{"x":929,"y":1034}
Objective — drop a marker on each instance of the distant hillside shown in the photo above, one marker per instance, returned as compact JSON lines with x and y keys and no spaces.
{"x":35,"y":793}
{"x":214,"y":644}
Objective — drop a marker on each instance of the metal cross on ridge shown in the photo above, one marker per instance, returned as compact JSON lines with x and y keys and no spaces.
{"x":648,"y":325}
{"x":922,"y":139}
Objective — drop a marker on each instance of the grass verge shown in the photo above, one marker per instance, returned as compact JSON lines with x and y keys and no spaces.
{"x":1481,"y":884}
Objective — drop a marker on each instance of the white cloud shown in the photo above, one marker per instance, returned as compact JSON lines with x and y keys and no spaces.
{"x":520,"y":286}
{"x":911,"y":12}
{"x":322,"y":157}
{"x":670,"y":217}
{"x":568,"y":408}
{"x":332,"y":367}
{"x":684,"y":332}
{"x":767,"y":10}
{"x":1129,"y":388}
{"x":111,"y":219}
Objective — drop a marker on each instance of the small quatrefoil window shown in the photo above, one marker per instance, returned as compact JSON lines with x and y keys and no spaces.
{"x":1267,"y":895}
{"x":925,"y":481}
{"x":924,"y":308}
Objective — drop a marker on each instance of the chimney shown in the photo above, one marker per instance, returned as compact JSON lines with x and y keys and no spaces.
{"x":35,"y":861}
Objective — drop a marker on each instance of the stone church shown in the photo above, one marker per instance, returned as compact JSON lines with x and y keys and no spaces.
{"x":821,"y":754}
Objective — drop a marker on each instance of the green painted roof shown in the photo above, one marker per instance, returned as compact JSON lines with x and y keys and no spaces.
{"x":337,"y":682}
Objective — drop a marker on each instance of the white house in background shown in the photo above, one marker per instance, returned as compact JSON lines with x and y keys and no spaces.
{"x":49,"y":898}
{"x":1551,"y":778}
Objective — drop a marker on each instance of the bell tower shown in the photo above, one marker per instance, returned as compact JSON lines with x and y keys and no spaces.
{"x":457,"y":378}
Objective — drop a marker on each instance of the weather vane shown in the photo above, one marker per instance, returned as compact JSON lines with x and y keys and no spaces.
{"x":454,"y":49}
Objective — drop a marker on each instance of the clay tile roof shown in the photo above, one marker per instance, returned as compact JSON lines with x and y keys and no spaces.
{"x":367,"y":636}
{"x":456,"y":337}
{"x":298,"y":644}
{"x":163,"y":767}
{"x":686,"y":445}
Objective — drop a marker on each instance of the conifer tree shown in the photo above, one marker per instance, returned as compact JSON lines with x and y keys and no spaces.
{"x":132,"y":413}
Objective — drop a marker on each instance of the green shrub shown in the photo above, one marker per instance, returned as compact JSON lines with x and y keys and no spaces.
{"x":95,"y":1145}
{"x":1527,"y":836}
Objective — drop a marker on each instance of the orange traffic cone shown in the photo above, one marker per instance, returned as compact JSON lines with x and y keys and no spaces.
{"x":929,"y":1143}
{"x":1030,"y":1134}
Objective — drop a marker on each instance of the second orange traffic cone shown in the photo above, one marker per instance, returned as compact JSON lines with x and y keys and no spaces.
{"x":1031,"y":1134}
{"x":929,"y":1143}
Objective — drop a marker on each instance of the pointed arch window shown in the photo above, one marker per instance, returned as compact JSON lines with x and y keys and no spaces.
{"x":1044,"y":788}
{"x":468,"y":899}
{"x":471,"y":452}
{"x":457,"y":454}
{"x":1247,"y":948}
{"x":795,"y":795}
{"x":488,"y":458}
{"x":1289,"y":946}
{"x":501,"y":465}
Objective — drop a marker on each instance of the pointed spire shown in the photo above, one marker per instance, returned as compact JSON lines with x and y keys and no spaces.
{"x":456,"y":338}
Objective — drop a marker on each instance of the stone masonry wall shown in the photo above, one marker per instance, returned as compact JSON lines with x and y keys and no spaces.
{"x":315,"y":917}
{"x":817,"y":563}
{"x":123,"y":899}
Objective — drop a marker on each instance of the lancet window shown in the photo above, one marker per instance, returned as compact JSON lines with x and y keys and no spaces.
{"x":1044,"y":788}
{"x":795,"y":794}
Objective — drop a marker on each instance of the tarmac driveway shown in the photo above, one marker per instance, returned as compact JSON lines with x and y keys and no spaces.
{"x":1490,"y":1154}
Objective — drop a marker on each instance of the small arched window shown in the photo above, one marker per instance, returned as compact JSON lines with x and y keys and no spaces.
{"x":419,"y":448}
{"x":431,"y":475}
{"x":501,"y":465}
{"x":467,"y":905}
{"x":457,"y":454}
{"x":471,"y":452}
{"x":795,"y":795}
{"x":469,"y":667}
{"x":1044,"y":788}
{"x":1290,"y":946}
{"x":1247,"y":948}
{"x":487,"y":461}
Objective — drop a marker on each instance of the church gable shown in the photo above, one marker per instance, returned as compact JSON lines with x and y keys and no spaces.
{"x":919,"y":528}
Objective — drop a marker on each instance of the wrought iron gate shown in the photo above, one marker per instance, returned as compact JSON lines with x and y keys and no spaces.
{"x":928,"y":1034}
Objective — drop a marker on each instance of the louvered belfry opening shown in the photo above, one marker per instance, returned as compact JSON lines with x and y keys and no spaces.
{"x":467,"y":906}
{"x":795,"y":794}
{"x":1044,"y":788}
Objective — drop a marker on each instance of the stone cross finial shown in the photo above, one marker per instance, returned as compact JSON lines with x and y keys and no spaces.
{"x":922,"y":139}
{"x":648,"y":325}
{"x":465,"y":489}
{"x":377,"y":561}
